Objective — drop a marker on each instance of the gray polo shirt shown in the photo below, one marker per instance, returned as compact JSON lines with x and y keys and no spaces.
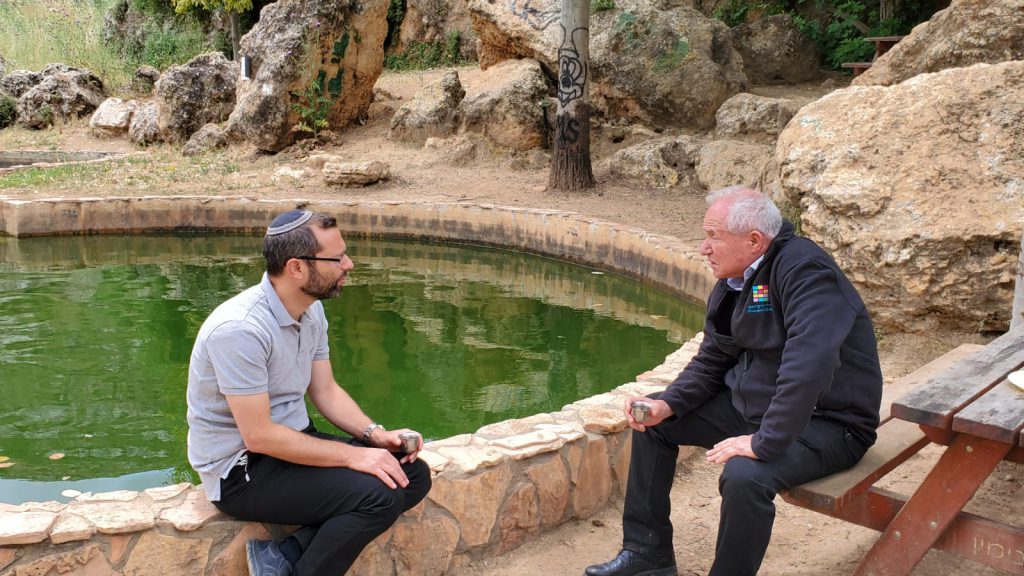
{"x":248,"y":345}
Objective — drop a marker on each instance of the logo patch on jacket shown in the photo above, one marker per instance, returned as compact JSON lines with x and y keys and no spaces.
{"x":759,"y":295}
{"x":760,"y":292}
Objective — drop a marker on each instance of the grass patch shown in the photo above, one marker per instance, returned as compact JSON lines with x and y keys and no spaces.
{"x":152,"y":172}
{"x":18,"y":138}
{"x":601,"y":5}
{"x":34,"y":33}
{"x":166,"y":47}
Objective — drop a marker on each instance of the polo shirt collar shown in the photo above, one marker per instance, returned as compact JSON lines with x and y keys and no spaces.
{"x":737,"y":284}
{"x":274,"y":301}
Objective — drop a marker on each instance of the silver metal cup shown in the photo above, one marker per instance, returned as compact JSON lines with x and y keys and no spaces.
{"x":641,"y":410}
{"x":410,"y":441}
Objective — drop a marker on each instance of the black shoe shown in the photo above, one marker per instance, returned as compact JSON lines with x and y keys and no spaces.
{"x":629,"y":563}
{"x":265,"y":559}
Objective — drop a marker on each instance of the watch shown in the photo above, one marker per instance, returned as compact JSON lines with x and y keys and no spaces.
{"x":369,"y":431}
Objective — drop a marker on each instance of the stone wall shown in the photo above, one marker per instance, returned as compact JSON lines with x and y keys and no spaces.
{"x":493,"y":489}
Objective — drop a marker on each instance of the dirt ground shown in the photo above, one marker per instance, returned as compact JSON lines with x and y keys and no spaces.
{"x":804,"y":543}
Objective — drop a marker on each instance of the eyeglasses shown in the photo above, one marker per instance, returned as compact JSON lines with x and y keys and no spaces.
{"x":335,"y":260}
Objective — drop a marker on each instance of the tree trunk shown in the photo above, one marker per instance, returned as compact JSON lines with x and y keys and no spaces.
{"x":236,"y":44}
{"x":887,"y":9}
{"x":1017,"y":315}
{"x":570,"y":160}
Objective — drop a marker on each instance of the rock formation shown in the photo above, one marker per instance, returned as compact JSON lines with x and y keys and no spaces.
{"x":61,"y":92}
{"x":917,"y":190}
{"x":432,"y":113}
{"x":193,"y":94}
{"x":775,"y":51}
{"x":510,"y":112}
{"x":428,"y":21}
{"x":645,"y":61}
{"x":338,"y":43}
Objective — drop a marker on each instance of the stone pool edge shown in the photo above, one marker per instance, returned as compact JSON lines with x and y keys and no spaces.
{"x":492,"y":489}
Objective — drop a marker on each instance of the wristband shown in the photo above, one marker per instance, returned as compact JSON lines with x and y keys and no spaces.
{"x":369,"y":431}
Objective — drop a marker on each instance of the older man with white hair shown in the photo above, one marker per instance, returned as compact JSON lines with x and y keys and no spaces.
{"x":785,"y":389}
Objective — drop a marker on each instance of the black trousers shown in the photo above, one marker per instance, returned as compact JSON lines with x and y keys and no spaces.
{"x":748,"y":486}
{"x":340,"y":510}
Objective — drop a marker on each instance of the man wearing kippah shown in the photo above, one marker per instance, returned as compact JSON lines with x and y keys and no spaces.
{"x":250,"y":438}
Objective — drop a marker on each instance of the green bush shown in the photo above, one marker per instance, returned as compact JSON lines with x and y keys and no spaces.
{"x":168,"y":46}
{"x":838,"y":27}
{"x":424,"y":55}
{"x":7,"y":112}
{"x":46,"y":115}
{"x":396,"y":13}
{"x":313,"y":108}
{"x":601,"y":5}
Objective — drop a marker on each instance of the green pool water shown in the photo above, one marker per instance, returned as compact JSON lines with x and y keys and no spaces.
{"x":96,"y":333}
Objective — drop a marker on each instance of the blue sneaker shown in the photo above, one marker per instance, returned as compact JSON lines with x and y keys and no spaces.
{"x":265,"y":559}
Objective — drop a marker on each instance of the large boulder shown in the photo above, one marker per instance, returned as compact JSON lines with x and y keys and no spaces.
{"x":510,"y":111}
{"x":775,"y":51}
{"x":113,"y":117}
{"x":63,"y":92}
{"x":143,"y":129}
{"x":209,"y":137}
{"x":433,"y":112}
{"x":644,"y":61}
{"x":967,"y":32}
{"x":917,"y":190}
{"x":752,"y":117}
{"x":198,"y":92}
{"x":658,"y":163}
{"x":724,"y":163}
{"x":338,"y":42}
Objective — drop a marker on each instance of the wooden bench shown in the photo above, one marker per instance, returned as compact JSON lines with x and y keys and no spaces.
{"x":858,"y":67}
{"x":897,"y":441}
{"x":882,"y":45}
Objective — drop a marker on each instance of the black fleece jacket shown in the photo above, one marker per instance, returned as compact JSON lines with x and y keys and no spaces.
{"x":796,"y":342}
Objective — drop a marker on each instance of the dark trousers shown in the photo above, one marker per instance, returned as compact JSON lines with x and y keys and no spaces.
{"x":748,"y":486}
{"x":340,"y":510}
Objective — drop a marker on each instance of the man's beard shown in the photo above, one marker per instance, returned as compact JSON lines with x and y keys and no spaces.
{"x":320,"y":287}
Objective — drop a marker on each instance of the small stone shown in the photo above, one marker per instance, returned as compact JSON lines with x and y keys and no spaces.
{"x":355,"y":173}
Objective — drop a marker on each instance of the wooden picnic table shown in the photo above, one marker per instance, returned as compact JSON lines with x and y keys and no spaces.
{"x":979,"y":415}
{"x":882,"y":45}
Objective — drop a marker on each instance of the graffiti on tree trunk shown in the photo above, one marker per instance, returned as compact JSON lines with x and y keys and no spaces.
{"x":572,"y":73}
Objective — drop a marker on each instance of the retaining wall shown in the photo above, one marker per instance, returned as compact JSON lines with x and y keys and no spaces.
{"x":492,"y":489}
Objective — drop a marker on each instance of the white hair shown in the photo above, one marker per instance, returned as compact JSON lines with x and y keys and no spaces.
{"x":748,"y":210}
